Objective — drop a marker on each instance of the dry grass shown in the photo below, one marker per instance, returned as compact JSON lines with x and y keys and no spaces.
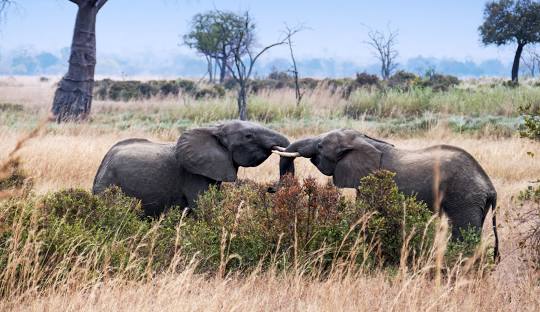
{"x":69,"y":157}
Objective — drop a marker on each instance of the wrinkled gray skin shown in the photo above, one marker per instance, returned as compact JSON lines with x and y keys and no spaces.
{"x":163,"y":175}
{"x":348,"y":155}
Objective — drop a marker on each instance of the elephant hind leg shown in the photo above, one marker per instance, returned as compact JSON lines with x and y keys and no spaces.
{"x":463,"y":218}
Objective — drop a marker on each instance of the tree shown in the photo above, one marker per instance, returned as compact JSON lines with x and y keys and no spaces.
{"x":511,"y":21}
{"x":531,"y":60}
{"x":294,"y":70}
{"x":384,"y":49}
{"x":4,"y":4}
{"x":244,"y":59}
{"x":213,"y":35}
{"x":73,"y":97}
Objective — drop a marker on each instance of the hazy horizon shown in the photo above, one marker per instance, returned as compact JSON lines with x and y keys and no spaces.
{"x":149,"y":34}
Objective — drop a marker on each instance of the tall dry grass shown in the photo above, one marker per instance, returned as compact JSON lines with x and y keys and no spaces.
{"x":69,"y":156}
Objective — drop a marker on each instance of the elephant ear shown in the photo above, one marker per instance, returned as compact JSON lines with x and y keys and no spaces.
{"x":359,"y":160}
{"x":200,"y":152}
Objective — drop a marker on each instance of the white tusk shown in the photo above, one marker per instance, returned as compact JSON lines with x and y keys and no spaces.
{"x":278,"y":148}
{"x":286,"y":154}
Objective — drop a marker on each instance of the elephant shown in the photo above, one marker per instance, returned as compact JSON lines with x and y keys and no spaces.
{"x":162,"y":175}
{"x":348,"y":155}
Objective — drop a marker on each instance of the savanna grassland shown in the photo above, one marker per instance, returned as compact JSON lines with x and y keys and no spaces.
{"x":480,"y":116}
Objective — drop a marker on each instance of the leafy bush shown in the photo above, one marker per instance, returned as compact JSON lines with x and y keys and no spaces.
{"x":465,"y":248}
{"x":108,"y":89}
{"x":439,"y":82}
{"x":365,"y":79}
{"x":239,"y":227}
{"x":531,"y":122}
{"x":403,"y":80}
{"x":11,"y":175}
{"x":396,"y":218}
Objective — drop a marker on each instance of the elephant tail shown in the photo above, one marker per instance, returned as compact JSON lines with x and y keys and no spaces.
{"x":492,"y":202}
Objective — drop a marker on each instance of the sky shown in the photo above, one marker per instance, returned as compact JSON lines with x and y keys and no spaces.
{"x":333,"y":29}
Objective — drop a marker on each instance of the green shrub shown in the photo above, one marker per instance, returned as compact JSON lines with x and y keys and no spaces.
{"x":438,"y":82}
{"x":531,"y":122}
{"x":365,"y":79}
{"x":465,"y":248}
{"x":108,"y":89}
{"x":238,"y":227}
{"x":12,"y":176}
{"x":396,"y":217}
{"x":403,"y":80}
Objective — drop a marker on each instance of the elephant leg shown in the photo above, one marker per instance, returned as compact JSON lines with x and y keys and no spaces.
{"x":195,"y":187}
{"x":464,"y":215}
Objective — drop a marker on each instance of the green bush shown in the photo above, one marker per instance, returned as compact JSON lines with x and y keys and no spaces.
{"x":238,"y":227}
{"x":403,"y":80}
{"x":108,"y":89}
{"x":531,"y":122}
{"x":438,"y":82}
{"x":465,"y":248}
{"x":396,"y":217}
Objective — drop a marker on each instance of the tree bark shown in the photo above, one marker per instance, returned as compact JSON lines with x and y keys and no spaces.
{"x":73,"y":97}
{"x":210,"y":69}
{"x":242,"y":102}
{"x":223,"y":70}
{"x":515,"y":66}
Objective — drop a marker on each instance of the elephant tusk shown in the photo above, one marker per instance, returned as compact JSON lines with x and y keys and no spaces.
{"x":286,"y":154}
{"x":278,"y":148}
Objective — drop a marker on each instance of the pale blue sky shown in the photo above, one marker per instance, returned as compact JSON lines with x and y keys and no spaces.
{"x":426,"y":27}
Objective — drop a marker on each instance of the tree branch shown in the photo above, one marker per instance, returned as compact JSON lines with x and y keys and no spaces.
{"x":100,"y":3}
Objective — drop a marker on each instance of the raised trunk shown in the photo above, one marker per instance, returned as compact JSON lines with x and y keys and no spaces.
{"x":515,"y":66}
{"x":73,"y":97}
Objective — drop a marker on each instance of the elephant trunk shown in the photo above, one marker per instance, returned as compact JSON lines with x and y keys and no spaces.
{"x":273,"y":140}
{"x":302,"y":148}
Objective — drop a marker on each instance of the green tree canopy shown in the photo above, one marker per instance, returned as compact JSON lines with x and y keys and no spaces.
{"x":511,"y":21}
{"x":215,"y":34}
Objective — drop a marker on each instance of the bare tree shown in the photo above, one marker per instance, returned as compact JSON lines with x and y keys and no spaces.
{"x":73,"y":97}
{"x":531,"y":60}
{"x":244,"y":59}
{"x":4,"y":4}
{"x":294,"y":70}
{"x":383,"y":46}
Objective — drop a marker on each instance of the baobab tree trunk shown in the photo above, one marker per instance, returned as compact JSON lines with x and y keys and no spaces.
{"x":73,"y":97}
{"x":515,"y":66}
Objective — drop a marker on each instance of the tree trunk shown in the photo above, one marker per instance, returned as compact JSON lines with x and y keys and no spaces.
{"x":223,"y":70}
{"x":210,"y":69}
{"x":73,"y":97}
{"x":515,"y":66}
{"x":242,"y":101}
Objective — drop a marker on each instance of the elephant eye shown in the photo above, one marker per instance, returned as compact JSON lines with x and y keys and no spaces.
{"x":319,"y":146}
{"x":249,"y":136}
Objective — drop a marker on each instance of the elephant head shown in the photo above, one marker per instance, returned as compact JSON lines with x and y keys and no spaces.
{"x":217,"y":152}
{"x":344,"y":154}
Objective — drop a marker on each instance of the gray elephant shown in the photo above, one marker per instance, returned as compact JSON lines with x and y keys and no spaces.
{"x":348,"y":155}
{"x":166,"y":174}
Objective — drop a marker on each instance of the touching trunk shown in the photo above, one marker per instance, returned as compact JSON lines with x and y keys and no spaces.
{"x":73,"y":97}
{"x":306,"y":148}
{"x":517,"y":58}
